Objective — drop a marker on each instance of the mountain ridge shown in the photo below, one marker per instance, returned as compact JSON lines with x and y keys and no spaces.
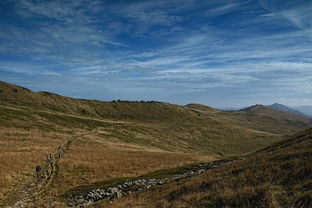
{"x":285,"y":108}
{"x":268,"y":111}
{"x":191,"y":128}
{"x":137,"y":110}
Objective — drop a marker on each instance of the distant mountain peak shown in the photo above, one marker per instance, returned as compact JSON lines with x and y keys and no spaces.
{"x":281,"y":107}
{"x":277,"y":104}
{"x":278,"y":111}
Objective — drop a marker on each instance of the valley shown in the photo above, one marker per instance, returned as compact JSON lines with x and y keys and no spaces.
{"x":122,"y":140}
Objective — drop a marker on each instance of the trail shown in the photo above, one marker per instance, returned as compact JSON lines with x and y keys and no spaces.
{"x":44,"y":175}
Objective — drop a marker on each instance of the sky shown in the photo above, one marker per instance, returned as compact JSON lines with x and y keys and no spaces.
{"x":221,"y":53}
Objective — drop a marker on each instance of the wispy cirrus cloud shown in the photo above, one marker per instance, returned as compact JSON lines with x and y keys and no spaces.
{"x":55,"y":28}
{"x":296,"y":12}
{"x":223,"y":9}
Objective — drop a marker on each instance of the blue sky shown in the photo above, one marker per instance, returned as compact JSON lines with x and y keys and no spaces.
{"x":222,"y":53}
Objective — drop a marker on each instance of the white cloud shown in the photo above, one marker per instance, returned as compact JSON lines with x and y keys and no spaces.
{"x":68,"y":12}
{"x":154,"y":18}
{"x":225,"y":8}
{"x":27,"y":68}
{"x":142,"y":16}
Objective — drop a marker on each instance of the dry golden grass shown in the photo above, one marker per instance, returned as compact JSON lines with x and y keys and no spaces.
{"x":278,"y":176}
{"x":90,"y":161}
{"x":91,"y":158}
{"x":21,"y":151}
{"x":207,"y":134}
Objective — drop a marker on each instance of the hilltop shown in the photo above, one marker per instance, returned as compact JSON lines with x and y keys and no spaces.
{"x":277,"y":112}
{"x":285,"y":108}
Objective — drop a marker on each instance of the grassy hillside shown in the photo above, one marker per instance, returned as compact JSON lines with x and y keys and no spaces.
{"x":119,"y":139}
{"x":274,"y":177}
{"x":122,"y":110}
{"x":190,"y":129}
{"x":255,"y":121}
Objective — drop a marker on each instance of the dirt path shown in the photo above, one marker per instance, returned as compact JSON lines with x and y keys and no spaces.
{"x":44,"y":175}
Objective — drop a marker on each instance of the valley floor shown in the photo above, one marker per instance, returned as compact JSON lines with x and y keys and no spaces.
{"x":277,"y":176}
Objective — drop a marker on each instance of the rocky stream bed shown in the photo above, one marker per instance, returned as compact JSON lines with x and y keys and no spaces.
{"x":92,"y":196}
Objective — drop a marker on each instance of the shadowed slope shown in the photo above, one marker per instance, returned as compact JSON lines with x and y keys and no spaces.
{"x":277,"y":176}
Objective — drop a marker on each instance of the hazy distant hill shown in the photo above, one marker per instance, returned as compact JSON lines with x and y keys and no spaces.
{"x":275,"y":113}
{"x":306,"y":109}
{"x":285,"y":108}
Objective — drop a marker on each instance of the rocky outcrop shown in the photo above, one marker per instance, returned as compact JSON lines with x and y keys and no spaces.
{"x":129,"y":186}
{"x":92,"y":196}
